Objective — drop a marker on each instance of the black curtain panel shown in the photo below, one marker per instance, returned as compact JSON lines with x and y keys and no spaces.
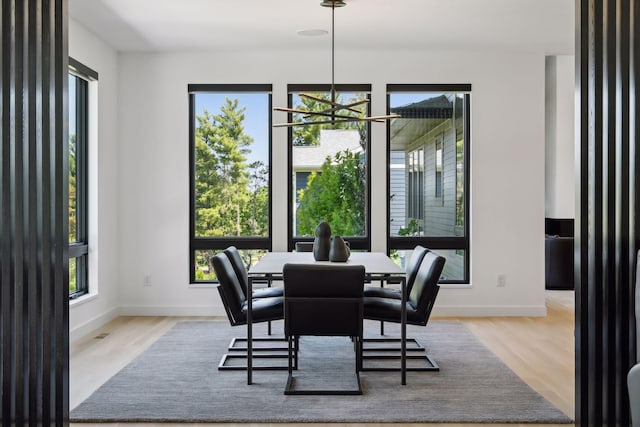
{"x":34,"y":314}
{"x":606,"y":229}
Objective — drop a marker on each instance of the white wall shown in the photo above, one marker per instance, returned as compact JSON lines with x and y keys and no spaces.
{"x":101,"y":305}
{"x":559,"y":136}
{"x":507,"y":169}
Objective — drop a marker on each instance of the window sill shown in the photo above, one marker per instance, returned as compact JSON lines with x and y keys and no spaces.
{"x":202,"y":285}
{"x":455,"y":285}
{"x":83,"y":299}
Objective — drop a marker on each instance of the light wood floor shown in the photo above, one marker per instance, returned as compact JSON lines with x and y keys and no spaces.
{"x":539,"y":349}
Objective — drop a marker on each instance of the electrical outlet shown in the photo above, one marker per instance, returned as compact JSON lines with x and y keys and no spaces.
{"x":502,"y":280}
{"x":147,"y":280}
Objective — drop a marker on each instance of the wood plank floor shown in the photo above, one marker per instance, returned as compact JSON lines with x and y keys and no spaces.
{"x":539,"y":349}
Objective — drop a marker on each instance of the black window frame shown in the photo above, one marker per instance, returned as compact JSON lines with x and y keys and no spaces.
{"x":79,"y":249}
{"x":436,"y":243}
{"x":221,"y":243}
{"x":356,"y":243}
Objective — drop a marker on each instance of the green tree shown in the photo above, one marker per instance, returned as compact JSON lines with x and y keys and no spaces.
{"x":256,"y":212}
{"x":222,"y":173}
{"x":310,"y":134}
{"x":72,"y":208}
{"x":72,"y":188}
{"x":335,"y":195}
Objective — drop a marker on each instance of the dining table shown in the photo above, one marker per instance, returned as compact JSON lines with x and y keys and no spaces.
{"x":378,"y":267}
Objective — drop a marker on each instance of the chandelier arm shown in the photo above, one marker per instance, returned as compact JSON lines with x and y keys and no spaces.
{"x":380,"y":119}
{"x":309,"y":113}
{"x":331,"y":114}
{"x":336,"y":104}
{"x":338,"y":108}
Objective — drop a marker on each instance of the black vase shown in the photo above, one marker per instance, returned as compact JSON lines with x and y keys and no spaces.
{"x":339,"y":251}
{"x":322,"y":242}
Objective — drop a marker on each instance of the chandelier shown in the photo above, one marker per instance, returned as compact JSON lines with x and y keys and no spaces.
{"x":334,"y":112}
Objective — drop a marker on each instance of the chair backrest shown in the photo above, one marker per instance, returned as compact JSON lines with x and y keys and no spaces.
{"x":229,"y":287}
{"x":304,"y":246}
{"x":323,"y":300}
{"x":413,"y":264}
{"x":425,"y":286}
{"x":239,"y":267}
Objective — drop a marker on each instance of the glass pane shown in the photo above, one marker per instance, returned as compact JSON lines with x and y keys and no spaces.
{"x":460,"y":168}
{"x":73,"y":276}
{"x":427,"y":165}
{"x":401,"y":256}
{"x":329,"y":172}
{"x":232,"y":164}
{"x":72,"y":159}
{"x":204,"y":269}
{"x":454,"y":266}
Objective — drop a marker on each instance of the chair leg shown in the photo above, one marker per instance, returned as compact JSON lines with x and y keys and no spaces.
{"x":417,"y":346}
{"x":222,"y":366}
{"x":236,"y":340}
{"x":430,"y":363}
{"x":288,"y":389}
{"x":240,"y":352}
{"x":290,"y":354}
{"x":359,"y":354}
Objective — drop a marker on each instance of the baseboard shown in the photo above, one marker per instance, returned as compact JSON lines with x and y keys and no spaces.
{"x":146,"y":310}
{"x":489,"y":311}
{"x":93,"y":324}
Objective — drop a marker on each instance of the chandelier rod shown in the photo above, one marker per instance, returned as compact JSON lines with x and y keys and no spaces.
{"x":333,"y":58}
{"x":334,"y":113}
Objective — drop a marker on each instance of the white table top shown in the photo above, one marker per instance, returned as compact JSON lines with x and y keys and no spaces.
{"x":373,"y":262}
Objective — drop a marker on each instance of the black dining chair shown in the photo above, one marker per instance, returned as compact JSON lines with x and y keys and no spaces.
{"x":411,"y":269}
{"x":243,"y":275}
{"x":323,"y":300}
{"x":419,"y":304}
{"x":234,"y":299}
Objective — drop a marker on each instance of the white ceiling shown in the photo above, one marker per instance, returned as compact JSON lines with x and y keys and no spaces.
{"x":545,"y":26}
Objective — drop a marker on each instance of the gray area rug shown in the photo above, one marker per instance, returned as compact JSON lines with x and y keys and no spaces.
{"x":177,"y":380}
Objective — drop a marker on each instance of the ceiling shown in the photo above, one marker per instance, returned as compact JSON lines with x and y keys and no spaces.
{"x":545,"y":26}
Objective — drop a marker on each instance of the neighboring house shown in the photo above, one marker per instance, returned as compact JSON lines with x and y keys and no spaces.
{"x":427,"y":173}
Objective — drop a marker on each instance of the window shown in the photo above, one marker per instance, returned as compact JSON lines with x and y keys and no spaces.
{"x":230,"y":175}
{"x":79,"y":78}
{"x":328,"y":169}
{"x":429,"y":173}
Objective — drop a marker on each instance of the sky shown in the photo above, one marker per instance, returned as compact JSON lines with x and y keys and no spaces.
{"x":256,"y":121}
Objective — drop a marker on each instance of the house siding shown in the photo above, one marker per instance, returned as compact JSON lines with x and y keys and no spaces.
{"x":397,"y":186}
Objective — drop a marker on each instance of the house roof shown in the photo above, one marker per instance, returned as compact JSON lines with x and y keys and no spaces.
{"x":439,"y":107}
{"x":332,"y":141}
